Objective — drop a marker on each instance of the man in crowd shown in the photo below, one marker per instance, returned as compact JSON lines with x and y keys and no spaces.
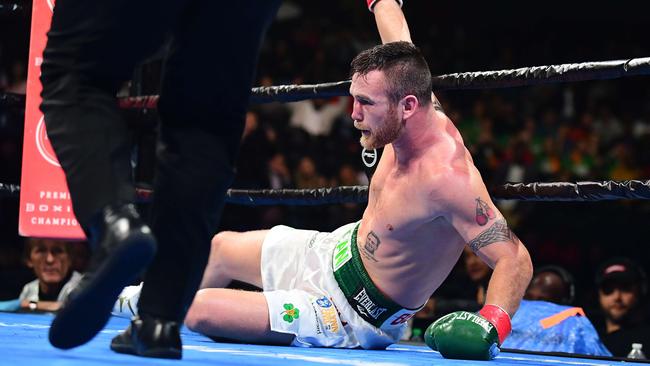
{"x":622,"y":290}
{"x":553,"y":284}
{"x":52,"y":264}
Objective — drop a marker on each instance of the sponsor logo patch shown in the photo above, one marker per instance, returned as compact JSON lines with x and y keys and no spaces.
{"x":324,"y":302}
{"x":366,"y":306}
{"x":342,"y":253}
{"x":402,"y":319}
{"x":369,"y":157}
{"x":329,"y":314}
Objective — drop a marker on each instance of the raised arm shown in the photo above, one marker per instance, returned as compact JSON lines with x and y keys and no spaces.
{"x":391,"y":22}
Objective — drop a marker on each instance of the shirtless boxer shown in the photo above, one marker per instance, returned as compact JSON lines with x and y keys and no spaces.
{"x":357,"y":286}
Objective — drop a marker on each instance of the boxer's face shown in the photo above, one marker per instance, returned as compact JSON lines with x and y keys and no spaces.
{"x":373,"y":113}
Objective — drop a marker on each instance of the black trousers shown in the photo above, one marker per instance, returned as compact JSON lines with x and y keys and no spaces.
{"x":92,"y":49}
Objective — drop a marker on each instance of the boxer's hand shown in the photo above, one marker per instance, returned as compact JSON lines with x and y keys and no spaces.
{"x":466,"y":335}
{"x":371,"y":4}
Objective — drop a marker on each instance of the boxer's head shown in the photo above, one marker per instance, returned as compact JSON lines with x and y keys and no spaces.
{"x":390,"y":83}
{"x":404,"y":70}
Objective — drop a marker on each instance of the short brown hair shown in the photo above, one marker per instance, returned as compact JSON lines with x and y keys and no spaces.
{"x":405,"y":69}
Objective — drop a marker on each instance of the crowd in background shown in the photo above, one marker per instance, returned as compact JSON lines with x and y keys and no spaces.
{"x":598,"y":130}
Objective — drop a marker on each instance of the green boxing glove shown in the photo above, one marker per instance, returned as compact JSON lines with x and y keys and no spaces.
{"x":469,"y":336}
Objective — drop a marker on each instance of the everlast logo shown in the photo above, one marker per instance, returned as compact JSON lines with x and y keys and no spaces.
{"x":486,"y":325}
{"x":367,"y":306}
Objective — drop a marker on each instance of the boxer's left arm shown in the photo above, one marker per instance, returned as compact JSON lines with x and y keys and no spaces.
{"x":499,"y":248}
{"x":475,"y":217}
{"x":472,"y":213}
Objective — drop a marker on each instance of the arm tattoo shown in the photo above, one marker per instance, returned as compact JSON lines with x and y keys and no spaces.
{"x":483,"y":212}
{"x":371,"y":245}
{"x":496,"y":233}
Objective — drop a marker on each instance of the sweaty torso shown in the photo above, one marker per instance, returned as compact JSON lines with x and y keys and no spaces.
{"x":407,"y":245}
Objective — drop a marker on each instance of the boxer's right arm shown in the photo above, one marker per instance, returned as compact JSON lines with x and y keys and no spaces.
{"x":391,"y":23}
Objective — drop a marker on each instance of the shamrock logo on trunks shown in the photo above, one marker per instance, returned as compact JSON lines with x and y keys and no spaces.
{"x":290,"y":313}
{"x":483,"y":212}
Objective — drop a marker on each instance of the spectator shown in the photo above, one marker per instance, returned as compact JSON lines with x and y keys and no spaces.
{"x":624,"y":166}
{"x":607,"y":125}
{"x":307,"y":176}
{"x":478,"y":272}
{"x":553,"y":284}
{"x":17,"y":78}
{"x":253,"y":156}
{"x":622,"y":287}
{"x":317,"y":116}
{"x":279,"y":175}
{"x":51,"y":261}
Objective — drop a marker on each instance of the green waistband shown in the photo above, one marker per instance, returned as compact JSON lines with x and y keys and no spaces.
{"x":353,"y":279}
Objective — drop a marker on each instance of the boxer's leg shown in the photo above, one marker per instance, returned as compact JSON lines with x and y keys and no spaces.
{"x":235,"y":315}
{"x":235,"y":256}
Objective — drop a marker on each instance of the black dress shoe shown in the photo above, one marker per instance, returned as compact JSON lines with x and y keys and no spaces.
{"x":150,"y":337}
{"x":122,"y":247}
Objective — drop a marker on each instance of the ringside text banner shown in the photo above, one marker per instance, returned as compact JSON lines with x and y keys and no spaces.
{"x":45,"y":205}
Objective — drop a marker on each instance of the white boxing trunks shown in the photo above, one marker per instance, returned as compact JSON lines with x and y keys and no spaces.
{"x":317,"y":289}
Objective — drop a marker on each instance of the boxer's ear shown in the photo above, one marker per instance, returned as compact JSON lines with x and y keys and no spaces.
{"x":409,"y":105}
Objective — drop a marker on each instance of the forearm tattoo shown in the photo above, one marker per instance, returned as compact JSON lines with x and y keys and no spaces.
{"x":498,"y":232}
{"x":371,"y":245}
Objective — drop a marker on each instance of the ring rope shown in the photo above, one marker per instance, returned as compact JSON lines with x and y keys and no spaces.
{"x":476,"y":80}
{"x":548,"y":192}
{"x":534,"y":75}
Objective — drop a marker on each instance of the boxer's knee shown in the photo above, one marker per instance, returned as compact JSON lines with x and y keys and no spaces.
{"x":235,"y":256}
{"x":219,"y":252}
{"x":196,"y":317}
{"x":220,"y":240}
